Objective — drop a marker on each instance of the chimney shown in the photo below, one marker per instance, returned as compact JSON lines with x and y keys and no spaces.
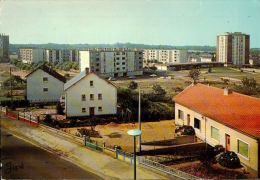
{"x":86,"y":70}
{"x":227,"y":91}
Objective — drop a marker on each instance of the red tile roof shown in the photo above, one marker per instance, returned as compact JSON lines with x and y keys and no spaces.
{"x":235,"y":110}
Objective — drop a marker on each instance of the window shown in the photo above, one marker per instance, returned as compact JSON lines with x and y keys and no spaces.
{"x":117,"y":58}
{"x":83,"y":110}
{"x":123,"y":58}
{"x":97,"y":64}
{"x":196,"y":123}
{"x":214,"y":133}
{"x":83,"y":97}
{"x":180,"y":114}
{"x":99,"y":109}
{"x":45,"y":89}
{"x":242,"y":148}
{"x":91,"y":96}
{"x":97,"y":59}
{"x":91,"y":83}
{"x":45,"y":79}
{"x":123,"y":63}
{"x":99,"y":96}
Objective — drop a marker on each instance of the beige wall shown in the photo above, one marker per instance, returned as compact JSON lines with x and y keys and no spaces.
{"x":251,"y":161}
{"x":35,"y":87}
{"x":74,"y":104}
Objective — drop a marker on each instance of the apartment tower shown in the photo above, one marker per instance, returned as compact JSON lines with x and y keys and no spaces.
{"x":4,"y":47}
{"x":233,"y":48}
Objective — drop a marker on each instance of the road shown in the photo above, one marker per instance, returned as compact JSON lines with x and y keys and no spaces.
{"x":23,"y":160}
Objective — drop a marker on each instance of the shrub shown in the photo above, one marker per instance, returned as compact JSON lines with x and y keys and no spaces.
{"x":188,"y":130}
{"x":133,"y":85}
{"x":59,"y":108}
{"x":48,"y":119}
{"x":229,"y":159}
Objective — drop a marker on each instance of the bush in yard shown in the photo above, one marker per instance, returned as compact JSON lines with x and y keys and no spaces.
{"x":229,"y":159}
{"x":59,"y":108}
{"x":48,"y":119}
{"x":188,"y":130}
{"x":133,"y":85}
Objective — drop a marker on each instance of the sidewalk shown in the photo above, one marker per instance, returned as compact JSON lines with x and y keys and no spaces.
{"x":98,"y":163}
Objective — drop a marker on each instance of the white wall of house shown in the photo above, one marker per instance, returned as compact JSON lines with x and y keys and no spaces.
{"x":74,"y":102}
{"x":205,"y":134}
{"x":35,"y":87}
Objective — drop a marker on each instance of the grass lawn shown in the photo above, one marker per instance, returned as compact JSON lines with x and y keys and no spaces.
{"x":4,"y":98}
{"x":181,"y":79}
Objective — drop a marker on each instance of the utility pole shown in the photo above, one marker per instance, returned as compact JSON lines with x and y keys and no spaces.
{"x":11,"y":87}
{"x":139,"y":119}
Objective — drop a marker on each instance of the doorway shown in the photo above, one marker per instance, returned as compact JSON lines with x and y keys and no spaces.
{"x":188,"y":120}
{"x":91,"y":111}
{"x":227,"y":142}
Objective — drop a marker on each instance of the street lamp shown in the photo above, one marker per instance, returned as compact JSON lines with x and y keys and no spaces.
{"x":134,"y":132}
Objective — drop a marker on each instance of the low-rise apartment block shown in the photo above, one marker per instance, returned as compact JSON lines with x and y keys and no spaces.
{"x":233,"y":48}
{"x":165,"y":56}
{"x":31,"y":55}
{"x":112,"y":62}
{"x":222,"y":117}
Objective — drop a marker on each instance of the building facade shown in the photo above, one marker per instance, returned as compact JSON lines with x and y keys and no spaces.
{"x":87,"y":94}
{"x":237,"y":128}
{"x":44,"y":85}
{"x":31,"y":55}
{"x":54,"y":55}
{"x":233,"y":48}
{"x":112,"y":62}
{"x":165,"y":56}
{"x":4,"y":47}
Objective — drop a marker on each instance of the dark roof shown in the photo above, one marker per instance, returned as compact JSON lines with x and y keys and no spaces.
{"x":235,"y":110}
{"x":50,"y":72}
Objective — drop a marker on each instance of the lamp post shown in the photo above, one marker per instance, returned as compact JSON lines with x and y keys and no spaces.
{"x":134,"y":132}
{"x":139,"y":120}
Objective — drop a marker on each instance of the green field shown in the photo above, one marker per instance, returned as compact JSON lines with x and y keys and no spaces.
{"x":181,"y":80}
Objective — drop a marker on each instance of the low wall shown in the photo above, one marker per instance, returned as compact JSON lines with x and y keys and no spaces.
{"x":177,"y":149}
{"x":176,"y":141}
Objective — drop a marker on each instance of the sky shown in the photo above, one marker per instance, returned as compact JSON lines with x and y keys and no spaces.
{"x":155,"y":22}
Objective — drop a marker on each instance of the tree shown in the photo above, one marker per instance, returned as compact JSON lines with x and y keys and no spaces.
{"x":194,"y":75}
{"x":249,"y":86}
{"x":133,"y":85}
{"x":158,"y":90}
{"x":59,"y":108}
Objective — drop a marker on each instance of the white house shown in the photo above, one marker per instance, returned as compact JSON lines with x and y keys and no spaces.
{"x":87,"y":94}
{"x":44,"y":85}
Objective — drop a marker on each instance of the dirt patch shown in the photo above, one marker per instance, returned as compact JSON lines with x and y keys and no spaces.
{"x":114,"y":134}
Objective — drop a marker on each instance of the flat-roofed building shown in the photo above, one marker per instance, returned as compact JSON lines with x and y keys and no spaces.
{"x":165,"y":56}
{"x":4,"y":47}
{"x":233,"y":48}
{"x":31,"y":55}
{"x":112,"y":62}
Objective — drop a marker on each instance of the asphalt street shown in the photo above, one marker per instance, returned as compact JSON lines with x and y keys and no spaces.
{"x":23,"y":160}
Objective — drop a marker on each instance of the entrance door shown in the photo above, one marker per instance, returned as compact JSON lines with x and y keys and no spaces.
{"x":227,"y":142}
{"x":91,"y":111}
{"x":188,"y":120}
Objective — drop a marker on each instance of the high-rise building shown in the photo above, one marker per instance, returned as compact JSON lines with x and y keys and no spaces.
{"x":4,"y":47}
{"x":166,"y":56}
{"x":112,"y":62}
{"x":31,"y":55}
{"x":233,"y":48}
